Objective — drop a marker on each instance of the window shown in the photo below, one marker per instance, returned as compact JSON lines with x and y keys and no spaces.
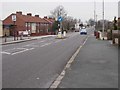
{"x":26,"y":24}
{"x":33,"y":27}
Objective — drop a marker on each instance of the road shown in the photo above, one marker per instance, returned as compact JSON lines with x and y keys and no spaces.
{"x":36,"y":64}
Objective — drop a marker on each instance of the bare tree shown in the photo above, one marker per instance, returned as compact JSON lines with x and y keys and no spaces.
{"x":69,"y":23}
{"x":59,"y":11}
{"x":91,"y":22}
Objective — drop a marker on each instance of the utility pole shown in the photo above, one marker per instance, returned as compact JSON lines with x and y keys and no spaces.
{"x":103,"y":22}
{"x":96,"y":18}
{"x":94,"y":13}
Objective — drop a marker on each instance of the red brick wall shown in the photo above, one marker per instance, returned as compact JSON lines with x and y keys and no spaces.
{"x":20,"y":24}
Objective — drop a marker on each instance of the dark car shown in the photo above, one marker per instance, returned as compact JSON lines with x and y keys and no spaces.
{"x":77,"y":30}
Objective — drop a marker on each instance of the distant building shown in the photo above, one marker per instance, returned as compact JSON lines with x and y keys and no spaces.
{"x":77,"y":26}
{"x":17,"y":23}
{"x":119,"y":14}
{"x":1,"y":28}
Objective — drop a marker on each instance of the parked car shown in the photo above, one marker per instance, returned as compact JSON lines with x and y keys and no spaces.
{"x":83,"y":31}
{"x":76,"y":30}
{"x":83,"y":27}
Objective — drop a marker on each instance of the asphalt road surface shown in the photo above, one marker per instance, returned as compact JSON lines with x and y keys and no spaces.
{"x":36,"y":64}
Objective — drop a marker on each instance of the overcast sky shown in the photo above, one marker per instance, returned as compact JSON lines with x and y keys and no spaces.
{"x":75,"y":8}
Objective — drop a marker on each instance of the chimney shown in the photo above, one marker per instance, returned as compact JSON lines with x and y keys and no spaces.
{"x":36,"y":15}
{"x":50,"y":18}
{"x":29,"y":14}
{"x":45,"y":17}
{"x":19,"y":12}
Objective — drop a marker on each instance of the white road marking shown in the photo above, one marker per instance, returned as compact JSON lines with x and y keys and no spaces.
{"x":61,"y":76}
{"x":22,"y":51}
{"x":20,"y":48}
{"x":32,"y":45}
{"x":45,"y":44}
{"x":42,"y":41}
{"x":9,"y":49}
{"x":31,"y":48}
{"x":5,"y":53}
{"x":37,"y":78}
{"x":57,"y":41}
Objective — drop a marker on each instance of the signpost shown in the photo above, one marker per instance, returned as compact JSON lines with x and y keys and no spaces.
{"x":60,"y":29}
{"x":60,"y":19}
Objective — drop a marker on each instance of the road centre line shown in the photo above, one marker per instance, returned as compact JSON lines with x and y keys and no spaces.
{"x":58,"y":80}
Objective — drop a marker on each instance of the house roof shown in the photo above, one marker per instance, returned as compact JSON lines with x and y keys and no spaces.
{"x":49,"y":20}
{"x":27,"y":18}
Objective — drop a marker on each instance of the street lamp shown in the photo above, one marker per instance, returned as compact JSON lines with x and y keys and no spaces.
{"x":103,"y":21}
{"x":14,"y":20}
{"x":94,"y":14}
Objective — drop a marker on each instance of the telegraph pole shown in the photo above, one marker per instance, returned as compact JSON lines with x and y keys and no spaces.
{"x":94,"y":13}
{"x":103,"y":22}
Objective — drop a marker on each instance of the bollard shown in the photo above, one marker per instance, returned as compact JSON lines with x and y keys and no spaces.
{"x":17,"y":35}
{"x":94,"y":33}
{"x":21,"y":36}
{"x":14,"y":36}
{"x":5,"y":37}
{"x":64,"y":33}
{"x":59,"y":34}
{"x":97,"y":35}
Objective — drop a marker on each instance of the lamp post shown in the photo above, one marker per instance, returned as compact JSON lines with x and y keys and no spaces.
{"x":14,"y":20}
{"x":103,"y":22}
{"x":94,"y":14}
{"x":96,"y":21}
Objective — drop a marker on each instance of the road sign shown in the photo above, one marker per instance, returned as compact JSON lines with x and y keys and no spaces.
{"x":60,"y":19}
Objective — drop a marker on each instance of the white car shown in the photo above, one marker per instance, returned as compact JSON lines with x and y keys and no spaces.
{"x":83,"y":31}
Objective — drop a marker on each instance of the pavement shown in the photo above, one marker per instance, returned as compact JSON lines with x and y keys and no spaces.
{"x":95,"y":66}
{"x":10,"y":40}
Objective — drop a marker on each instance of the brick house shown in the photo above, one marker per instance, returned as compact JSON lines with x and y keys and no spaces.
{"x":1,"y":29}
{"x":51,"y":21}
{"x":34,"y":24}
